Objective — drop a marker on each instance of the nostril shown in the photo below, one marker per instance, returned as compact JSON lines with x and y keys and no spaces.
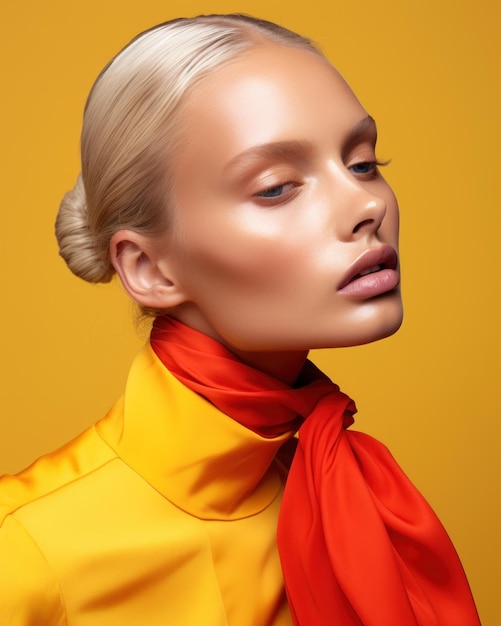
{"x":362,"y":224}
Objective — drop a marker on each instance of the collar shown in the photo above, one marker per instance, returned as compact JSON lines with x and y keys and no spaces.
{"x":197,"y":457}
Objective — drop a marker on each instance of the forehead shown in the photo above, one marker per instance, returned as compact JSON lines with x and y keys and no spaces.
{"x":270,"y":93}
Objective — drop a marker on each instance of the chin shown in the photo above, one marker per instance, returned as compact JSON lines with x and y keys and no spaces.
{"x":385,"y":331}
{"x":379,"y":320}
{"x":382,"y":326}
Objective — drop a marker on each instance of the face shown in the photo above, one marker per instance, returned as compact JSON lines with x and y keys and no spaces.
{"x":285,"y":233}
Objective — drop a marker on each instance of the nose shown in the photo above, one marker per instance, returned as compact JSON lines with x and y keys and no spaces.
{"x":370,"y":214}
{"x":359,"y":209}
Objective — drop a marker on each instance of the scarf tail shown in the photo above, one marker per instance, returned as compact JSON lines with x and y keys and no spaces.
{"x":366,"y":548}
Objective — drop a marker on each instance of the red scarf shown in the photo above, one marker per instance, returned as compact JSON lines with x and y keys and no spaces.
{"x":359,"y":545}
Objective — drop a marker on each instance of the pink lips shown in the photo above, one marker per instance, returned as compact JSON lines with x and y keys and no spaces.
{"x":374,"y":272}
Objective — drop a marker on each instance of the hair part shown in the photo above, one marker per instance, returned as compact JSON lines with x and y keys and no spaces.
{"x":131,"y":130}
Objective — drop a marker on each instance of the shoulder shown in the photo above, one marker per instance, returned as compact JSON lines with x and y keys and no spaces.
{"x":53,"y":472}
{"x":29,"y":588}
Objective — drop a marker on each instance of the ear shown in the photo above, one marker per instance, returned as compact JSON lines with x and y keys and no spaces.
{"x":146,"y":277}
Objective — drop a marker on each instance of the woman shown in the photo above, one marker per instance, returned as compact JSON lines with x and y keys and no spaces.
{"x":229,"y":178}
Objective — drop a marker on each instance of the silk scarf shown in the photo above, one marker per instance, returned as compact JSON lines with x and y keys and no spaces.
{"x":358,"y":543}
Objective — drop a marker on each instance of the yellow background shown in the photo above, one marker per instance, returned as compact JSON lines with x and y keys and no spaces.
{"x":428,"y":72}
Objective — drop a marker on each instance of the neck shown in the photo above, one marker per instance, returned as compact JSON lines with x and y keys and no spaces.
{"x":284,"y":366}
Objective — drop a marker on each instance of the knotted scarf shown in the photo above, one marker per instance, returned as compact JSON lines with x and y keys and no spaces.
{"x":358,"y":543}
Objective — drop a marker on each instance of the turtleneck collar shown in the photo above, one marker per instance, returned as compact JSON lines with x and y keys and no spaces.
{"x":198,"y":458}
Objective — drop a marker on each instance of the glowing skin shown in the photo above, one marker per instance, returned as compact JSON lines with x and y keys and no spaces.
{"x":276,"y":198}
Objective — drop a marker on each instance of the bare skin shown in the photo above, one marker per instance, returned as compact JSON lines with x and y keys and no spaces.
{"x":285,"y":233}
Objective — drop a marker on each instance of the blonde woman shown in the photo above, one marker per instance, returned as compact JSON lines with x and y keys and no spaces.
{"x":229,"y":178}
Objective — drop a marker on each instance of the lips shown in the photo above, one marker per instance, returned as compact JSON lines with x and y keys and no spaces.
{"x":374,"y":272}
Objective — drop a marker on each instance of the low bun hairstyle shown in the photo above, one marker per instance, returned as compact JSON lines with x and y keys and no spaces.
{"x":131,"y":129}
{"x":77,"y":243}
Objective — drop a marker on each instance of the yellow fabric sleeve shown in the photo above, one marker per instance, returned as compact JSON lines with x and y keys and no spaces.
{"x":29,"y":594}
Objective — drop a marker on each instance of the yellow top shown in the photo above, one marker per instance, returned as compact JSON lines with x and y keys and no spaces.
{"x":163,"y":513}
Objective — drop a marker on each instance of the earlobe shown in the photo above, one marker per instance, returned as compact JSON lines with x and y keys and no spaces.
{"x":146,"y":279}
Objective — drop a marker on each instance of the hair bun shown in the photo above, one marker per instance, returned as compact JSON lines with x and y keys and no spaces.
{"x":77,"y":243}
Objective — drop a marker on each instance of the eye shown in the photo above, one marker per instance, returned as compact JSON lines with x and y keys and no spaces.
{"x":366,"y":167}
{"x":277,"y":191}
{"x":276,"y":194}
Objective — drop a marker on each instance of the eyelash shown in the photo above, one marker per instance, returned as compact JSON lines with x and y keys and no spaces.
{"x":271,"y":191}
{"x":276,"y":193}
{"x":371,"y":172}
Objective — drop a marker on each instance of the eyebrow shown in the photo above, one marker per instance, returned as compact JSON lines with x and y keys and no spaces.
{"x":275,"y":151}
{"x":365,"y":128}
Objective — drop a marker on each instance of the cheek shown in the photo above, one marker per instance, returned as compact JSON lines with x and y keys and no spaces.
{"x":216,"y":260}
{"x":244,"y":248}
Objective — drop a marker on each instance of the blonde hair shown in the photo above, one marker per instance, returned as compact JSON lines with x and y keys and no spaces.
{"x":131,"y":129}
